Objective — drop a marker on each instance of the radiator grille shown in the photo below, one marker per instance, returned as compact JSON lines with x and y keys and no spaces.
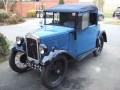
{"x":32,"y":50}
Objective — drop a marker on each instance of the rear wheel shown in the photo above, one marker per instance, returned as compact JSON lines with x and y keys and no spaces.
{"x":53,"y":74}
{"x":100,"y":44}
{"x":17,"y":62}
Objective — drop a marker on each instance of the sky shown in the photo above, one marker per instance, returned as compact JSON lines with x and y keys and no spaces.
{"x":106,"y":1}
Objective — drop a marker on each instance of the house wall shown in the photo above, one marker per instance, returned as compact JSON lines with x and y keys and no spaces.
{"x":21,"y":8}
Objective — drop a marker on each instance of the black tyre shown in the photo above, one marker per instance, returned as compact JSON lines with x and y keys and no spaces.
{"x":17,"y":62}
{"x":52,"y":75}
{"x":100,"y":44}
{"x":100,"y":18}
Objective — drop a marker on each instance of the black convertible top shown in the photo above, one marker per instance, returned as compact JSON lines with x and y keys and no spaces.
{"x":73,"y":8}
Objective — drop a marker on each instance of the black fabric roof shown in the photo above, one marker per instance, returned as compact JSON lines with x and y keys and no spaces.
{"x":74,"y":8}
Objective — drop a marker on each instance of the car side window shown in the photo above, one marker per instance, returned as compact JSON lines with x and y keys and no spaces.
{"x":85,"y":20}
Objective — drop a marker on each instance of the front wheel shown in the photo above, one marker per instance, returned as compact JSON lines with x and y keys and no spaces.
{"x":53,"y":74}
{"x":100,"y":44}
{"x":17,"y":62}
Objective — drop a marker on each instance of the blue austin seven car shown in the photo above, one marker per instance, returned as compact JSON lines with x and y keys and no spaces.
{"x":71,"y":33}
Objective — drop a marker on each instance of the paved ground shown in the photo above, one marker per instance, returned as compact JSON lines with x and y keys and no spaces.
{"x":11,"y":31}
{"x":92,"y":73}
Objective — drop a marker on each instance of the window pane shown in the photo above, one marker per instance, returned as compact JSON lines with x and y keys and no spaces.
{"x":49,"y":17}
{"x":69,"y":19}
{"x":50,"y":20}
{"x":85,"y":20}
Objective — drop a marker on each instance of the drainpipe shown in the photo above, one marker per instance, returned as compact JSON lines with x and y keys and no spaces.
{"x":21,"y":7}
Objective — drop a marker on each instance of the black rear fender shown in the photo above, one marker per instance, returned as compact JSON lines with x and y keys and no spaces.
{"x":103,"y":33}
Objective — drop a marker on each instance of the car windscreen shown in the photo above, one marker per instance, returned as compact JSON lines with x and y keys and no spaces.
{"x":52,"y":18}
{"x":60,"y":18}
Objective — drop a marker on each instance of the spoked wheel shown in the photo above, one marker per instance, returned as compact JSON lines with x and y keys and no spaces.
{"x":53,"y":74}
{"x":39,"y":14}
{"x":100,"y":18}
{"x":17,"y":62}
{"x":100,"y":45}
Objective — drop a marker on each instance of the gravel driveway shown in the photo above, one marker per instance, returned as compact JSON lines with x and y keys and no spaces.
{"x":92,"y":73}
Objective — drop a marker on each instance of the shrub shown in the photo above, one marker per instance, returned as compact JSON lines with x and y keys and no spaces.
{"x":1,"y":4}
{"x":2,"y":10}
{"x":61,"y":1}
{"x":31,"y":13}
{"x":14,"y":19}
{"x":3,"y":45}
{"x":3,"y":15}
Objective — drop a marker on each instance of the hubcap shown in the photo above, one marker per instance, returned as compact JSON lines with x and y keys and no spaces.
{"x":18,"y":62}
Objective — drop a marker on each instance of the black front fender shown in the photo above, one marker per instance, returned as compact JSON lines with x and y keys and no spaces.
{"x":53,"y":54}
{"x":15,"y":47}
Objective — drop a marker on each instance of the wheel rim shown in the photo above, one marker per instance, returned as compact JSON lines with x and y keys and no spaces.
{"x":56,"y":72}
{"x":101,"y":18}
{"x":37,"y":15}
{"x":41,"y":15}
{"x":18,"y":62}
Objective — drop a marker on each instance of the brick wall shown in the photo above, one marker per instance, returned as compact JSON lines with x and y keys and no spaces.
{"x":23,"y":7}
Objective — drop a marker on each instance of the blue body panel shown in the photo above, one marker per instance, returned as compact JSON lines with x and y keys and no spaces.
{"x":86,"y":39}
{"x":51,"y":31}
{"x":54,"y":36}
{"x":62,"y":38}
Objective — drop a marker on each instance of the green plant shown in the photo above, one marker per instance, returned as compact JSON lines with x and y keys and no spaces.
{"x":61,"y":1}
{"x":3,"y":15}
{"x":13,"y":19}
{"x":3,"y":45}
{"x":114,"y":22}
{"x":1,"y":4}
{"x":31,"y":13}
{"x":13,"y":6}
{"x":108,"y":15}
{"x":99,"y":4}
{"x":2,"y":10}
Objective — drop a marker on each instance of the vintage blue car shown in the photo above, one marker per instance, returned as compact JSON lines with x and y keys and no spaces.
{"x":71,"y":34}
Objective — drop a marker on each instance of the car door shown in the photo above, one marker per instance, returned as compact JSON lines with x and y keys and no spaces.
{"x":86,"y":35}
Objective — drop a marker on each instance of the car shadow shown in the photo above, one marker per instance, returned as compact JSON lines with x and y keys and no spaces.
{"x":72,"y":81}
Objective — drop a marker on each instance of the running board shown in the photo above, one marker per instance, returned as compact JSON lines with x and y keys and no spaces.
{"x":79,"y":57}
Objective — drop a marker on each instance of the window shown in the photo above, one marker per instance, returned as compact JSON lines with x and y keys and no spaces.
{"x":67,"y":19}
{"x":79,"y":21}
{"x":52,"y":18}
{"x":93,"y":18}
{"x":85,"y":20}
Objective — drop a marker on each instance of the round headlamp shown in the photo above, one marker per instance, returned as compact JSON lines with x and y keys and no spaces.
{"x":42,"y":49}
{"x":19,"y":40}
